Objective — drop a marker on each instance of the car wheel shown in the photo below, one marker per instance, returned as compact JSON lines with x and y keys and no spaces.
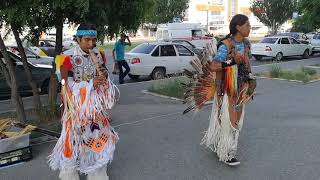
{"x":306,"y":54}
{"x":258,"y":58}
{"x":279,"y":56}
{"x":158,"y":73}
{"x":133,"y":77}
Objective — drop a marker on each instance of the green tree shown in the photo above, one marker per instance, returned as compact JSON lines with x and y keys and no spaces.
{"x":62,"y":11}
{"x":273,"y":13}
{"x":114,"y":16}
{"x":164,"y":11}
{"x":15,"y":13}
{"x":310,"y":15}
{"x":9,"y":71}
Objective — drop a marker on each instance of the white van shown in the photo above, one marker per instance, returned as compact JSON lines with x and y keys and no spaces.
{"x":192,"y":32}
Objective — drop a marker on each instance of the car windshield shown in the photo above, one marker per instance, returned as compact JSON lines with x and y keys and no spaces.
{"x":145,"y":48}
{"x":269,"y":40}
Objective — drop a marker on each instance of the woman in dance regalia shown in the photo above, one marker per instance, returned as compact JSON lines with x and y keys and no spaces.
{"x":226,"y":80}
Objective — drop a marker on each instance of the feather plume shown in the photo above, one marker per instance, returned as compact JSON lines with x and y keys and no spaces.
{"x":201,"y":88}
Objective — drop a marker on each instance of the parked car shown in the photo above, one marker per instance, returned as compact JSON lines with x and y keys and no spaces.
{"x":303,"y":38}
{"x":40,"y":74}
{"x":310,"y":34}
{"x":48,"y":46}
{"x":315,"y":43}
{"x":32,"y":56}
{"x":188,"y":45}
{"x":159,"y":59}
{"x":278,"y":47}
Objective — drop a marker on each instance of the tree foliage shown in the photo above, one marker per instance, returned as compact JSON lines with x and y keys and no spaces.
{"x":310,"y":15}
{"x":273,"y":13}
{"x":164,"y":11}
{"x":16,"y":14}
{"x":110,"y":16}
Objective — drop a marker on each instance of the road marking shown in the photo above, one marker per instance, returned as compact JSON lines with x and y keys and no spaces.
{"x":119,"y":125}
{"x":146,"y":119}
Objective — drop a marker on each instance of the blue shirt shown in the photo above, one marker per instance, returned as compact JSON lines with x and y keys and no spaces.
{"x":119,"y":47}
{"x":222,"y":51}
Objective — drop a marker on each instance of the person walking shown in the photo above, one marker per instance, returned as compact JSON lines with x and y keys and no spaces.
{"x":118,"y":56}
{"x":226,"y":79}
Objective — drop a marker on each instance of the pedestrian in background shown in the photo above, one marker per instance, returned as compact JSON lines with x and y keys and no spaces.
{"x":118,"y":56}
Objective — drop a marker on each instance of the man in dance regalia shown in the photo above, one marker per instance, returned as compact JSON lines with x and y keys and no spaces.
{"x":87,"y":140}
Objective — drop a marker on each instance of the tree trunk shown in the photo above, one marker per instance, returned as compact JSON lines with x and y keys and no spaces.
{"x":36,"y":97}
{"x":58,"y":49}
{"x":15,"y":96}
{"x":274,"y":28}
{"x":6,"y":73}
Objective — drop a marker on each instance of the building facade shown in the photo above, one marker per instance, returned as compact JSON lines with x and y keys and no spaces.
{"x":215,"y":15}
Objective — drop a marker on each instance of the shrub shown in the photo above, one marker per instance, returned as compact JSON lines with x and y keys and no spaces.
{"x":275,"y":71}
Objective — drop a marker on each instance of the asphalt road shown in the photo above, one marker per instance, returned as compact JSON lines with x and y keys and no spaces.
{"x":279,"y":140}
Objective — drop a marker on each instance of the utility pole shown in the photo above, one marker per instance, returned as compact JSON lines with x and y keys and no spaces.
{"x":208,"y":7}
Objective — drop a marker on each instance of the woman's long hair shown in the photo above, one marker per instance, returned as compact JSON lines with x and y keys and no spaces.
{"x":236,"y":20}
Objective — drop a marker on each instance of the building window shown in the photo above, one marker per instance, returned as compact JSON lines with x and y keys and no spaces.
{"x":215,"y":13}
{"x":215,"y":28}
{"x":216,"y":22}
{"x":216,"y":2}
{"x":255,"y":28}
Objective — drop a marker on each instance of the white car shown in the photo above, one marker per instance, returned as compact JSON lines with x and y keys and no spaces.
{"x":32,"y":56}
{"x":315,"y":43}
{"x":158,"y":59}
{"x":310,"y":35}
{"x":278,"y":47}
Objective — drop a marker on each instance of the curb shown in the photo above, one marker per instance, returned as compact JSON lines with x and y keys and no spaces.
{"x":168,"y":97}
{"x":315,"y":67}
{"x":159,"y":95}
{"x":280,"y":79}
{"x":41,"y":140}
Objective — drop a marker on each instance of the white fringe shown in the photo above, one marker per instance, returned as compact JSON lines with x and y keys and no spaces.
{"x":98,"y":101}
{"x":222,"y":138}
